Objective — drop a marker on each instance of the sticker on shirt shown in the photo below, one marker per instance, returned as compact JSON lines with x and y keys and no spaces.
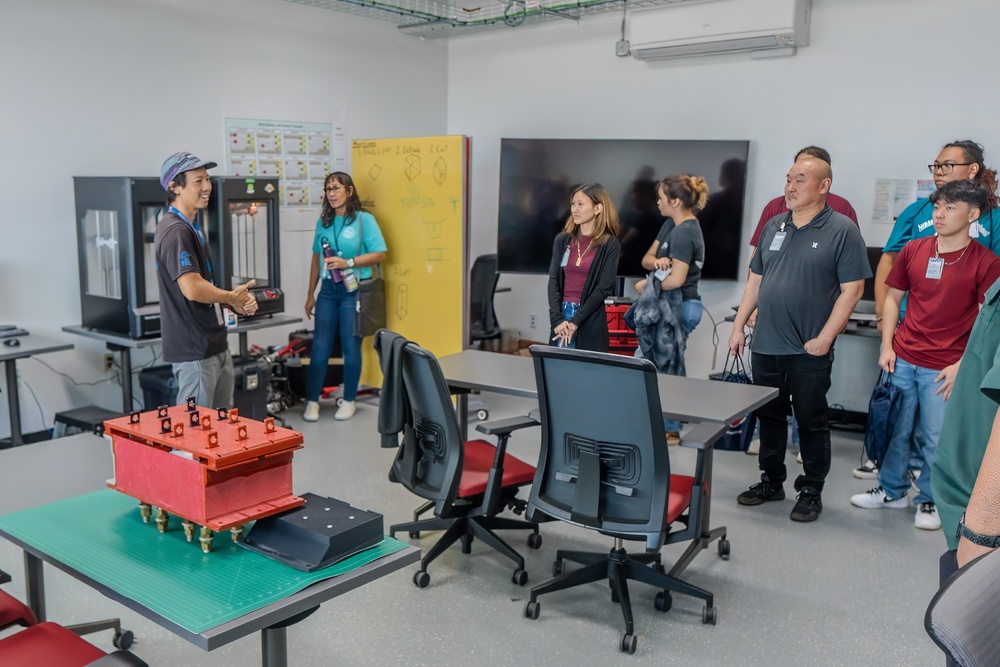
{"x":347,"y":232}
{"x":776,"y":242}
{"x":935,"y":266}
{"x":565,"y":259}
{"x":184,"y":259}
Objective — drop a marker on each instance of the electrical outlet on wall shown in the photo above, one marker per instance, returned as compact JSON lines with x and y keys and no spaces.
{"x":109,"y":362}
{"x":532,"y":321}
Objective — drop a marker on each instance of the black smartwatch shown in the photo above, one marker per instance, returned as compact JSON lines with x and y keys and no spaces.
{"x":988,"y":541}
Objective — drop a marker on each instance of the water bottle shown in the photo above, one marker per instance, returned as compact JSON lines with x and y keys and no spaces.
{"x":327,"y":253}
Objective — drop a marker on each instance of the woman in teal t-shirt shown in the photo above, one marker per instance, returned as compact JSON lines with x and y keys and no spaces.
{"x":347,"y":243}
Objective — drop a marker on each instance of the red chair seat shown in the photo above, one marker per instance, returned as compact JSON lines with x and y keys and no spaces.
{"x":13,"y":611}
{"x":48,"y":645}
{"x":477,"y":462}
{"x":681,"y":487}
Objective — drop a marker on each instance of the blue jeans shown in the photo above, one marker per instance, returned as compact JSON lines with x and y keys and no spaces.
{"x":335,"y":308}
{"x":569,"y":310}
{"x":692,"y":316}
{"x":918,"y":401}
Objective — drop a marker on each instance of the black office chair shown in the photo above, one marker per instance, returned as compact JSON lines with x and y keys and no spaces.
{"x":469,"y":483}
{"x":49,"y":644}
{"x":482,"y":286}
{"x":604,"y":465}
{"x":962,"y":618}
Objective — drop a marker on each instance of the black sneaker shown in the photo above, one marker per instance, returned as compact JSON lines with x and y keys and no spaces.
{"x":808,"y":507}
{"x":760,"y":493}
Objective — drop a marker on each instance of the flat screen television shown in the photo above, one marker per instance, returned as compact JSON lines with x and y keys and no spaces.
{"x":538,"y":175}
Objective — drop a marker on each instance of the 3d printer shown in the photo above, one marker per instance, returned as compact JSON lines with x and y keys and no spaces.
{"x":243,"y":238}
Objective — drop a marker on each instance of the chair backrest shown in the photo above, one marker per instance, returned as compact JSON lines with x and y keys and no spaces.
{"x":962,"y":619}
{"x":429,"y":462}
{"x":604,"y":462}
{"x":482,"y":286}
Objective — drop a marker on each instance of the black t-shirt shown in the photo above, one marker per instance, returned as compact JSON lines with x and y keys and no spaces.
{"x":191,"y":331}
{"x":801,"y":277}
{"x":686,"y":243}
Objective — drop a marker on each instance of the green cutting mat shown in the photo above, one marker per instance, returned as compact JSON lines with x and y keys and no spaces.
{"x":102,"y":536}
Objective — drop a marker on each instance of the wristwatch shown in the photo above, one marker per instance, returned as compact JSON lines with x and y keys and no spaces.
{"x":988,"y":541}
{"x":350,"y":263}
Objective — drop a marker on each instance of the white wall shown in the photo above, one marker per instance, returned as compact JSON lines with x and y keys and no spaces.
{"x":883,"y":84}
{"x":111,"y":87}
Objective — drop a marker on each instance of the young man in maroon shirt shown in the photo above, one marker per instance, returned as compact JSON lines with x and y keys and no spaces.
{"x":946,"y":276}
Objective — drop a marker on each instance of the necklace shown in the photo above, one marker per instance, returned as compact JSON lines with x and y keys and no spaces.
{"x":937,"y":253}
{"x":579,"y":254}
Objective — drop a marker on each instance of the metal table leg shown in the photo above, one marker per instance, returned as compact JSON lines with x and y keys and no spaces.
{"x":462,"y":406}
{"x":274,"y":647}
{"x":13,"y":403}
{"x":34,"y":584}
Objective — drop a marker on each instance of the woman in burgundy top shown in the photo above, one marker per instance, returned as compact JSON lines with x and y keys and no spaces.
{"x":582,"y":271}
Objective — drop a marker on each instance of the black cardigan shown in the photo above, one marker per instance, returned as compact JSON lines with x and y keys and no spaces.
{"x":591,"y":319}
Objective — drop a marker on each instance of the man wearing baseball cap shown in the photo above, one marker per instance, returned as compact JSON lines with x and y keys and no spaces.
{"x":193,"y":330}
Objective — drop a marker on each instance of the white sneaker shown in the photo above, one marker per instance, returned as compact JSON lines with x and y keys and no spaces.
{"x":311,"y":413}
{"x":345,"y":411}
{"x":866,"y":470}
{"x":754,"y":448}
{"x":873,"y":499}
{"x":798,"y":458}
{"x":927,"y":517}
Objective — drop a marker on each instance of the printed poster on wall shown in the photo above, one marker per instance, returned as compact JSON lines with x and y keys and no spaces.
{"x":299,"y":154}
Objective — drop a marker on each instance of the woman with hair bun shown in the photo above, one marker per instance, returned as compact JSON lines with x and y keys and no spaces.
{"x":680,"y":247}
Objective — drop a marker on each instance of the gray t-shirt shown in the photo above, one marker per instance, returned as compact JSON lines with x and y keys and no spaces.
{"x":800,"y":280}
{"x":686,"y":243}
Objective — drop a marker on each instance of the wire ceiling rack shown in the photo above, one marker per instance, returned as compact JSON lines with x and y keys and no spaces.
{"x":439,"y":18}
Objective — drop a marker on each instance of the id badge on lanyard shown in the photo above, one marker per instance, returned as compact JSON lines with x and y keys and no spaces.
{"x":565,"y":258}
{"x":778,"y":239}
{"x":935,"y":267}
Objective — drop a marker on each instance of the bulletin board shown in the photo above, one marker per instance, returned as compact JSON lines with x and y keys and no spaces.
{"x":417,"y":189}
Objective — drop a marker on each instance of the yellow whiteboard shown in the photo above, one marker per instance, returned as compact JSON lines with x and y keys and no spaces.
{"x":416,"y":189}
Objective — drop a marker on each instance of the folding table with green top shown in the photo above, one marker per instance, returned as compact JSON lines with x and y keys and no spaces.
{"x":208,"y":599}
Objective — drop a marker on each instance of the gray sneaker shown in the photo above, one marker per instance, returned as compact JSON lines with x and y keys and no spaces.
{"x":866,"y":470}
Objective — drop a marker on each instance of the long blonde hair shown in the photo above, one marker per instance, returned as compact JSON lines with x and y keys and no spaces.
{"x":606,"y":223}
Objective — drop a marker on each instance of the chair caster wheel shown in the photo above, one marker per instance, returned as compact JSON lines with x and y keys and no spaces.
{"x":724,"y":549}
{"x":628,"y":644}
{"x":663,"y":601}
{"x":483,"y":415}
{"x":123,"y":639}
{"x":557,"y":567}
{"x":339,"y":402}
{"x":659,"y":568}
{"x":709,"y":615}
{"x":414,"y":534}
{"x":467,"y":544}
{"x":520,"y":577}
{"x":534,"y":541}
{"x":532,"y":609}
{"x":421,"y":578}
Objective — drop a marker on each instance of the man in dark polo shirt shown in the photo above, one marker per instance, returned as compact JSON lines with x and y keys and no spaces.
{"x":806,"y":278}
{"x":193,"y":330}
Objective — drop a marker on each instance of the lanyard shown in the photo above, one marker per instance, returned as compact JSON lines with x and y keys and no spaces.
{"x":336,"y":234}
{"x":201,"y":237}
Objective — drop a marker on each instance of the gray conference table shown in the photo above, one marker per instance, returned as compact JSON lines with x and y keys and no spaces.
{"x":28,"y":346}
{"x":684,"y":399}
{"x":124,"y":345}
{"x":67,"y":467}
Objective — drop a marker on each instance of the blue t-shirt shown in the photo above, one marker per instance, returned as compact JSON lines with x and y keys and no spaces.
{"x":345,"y":240}
{"x":917,"y":221}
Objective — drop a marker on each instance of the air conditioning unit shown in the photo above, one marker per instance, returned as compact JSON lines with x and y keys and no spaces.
{"x":723,"y":26}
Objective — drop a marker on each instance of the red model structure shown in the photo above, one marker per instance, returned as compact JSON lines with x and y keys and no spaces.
{"x":208,"y":467}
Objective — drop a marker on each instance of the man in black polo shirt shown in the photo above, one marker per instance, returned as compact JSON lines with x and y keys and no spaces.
{"x":194,"y":334}
{"x":805,"y":278}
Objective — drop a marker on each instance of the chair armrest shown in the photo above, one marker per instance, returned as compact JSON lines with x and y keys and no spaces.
{"x":506,"y":426}
{"x":703,"y":435}
{"x":118,"y":659}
